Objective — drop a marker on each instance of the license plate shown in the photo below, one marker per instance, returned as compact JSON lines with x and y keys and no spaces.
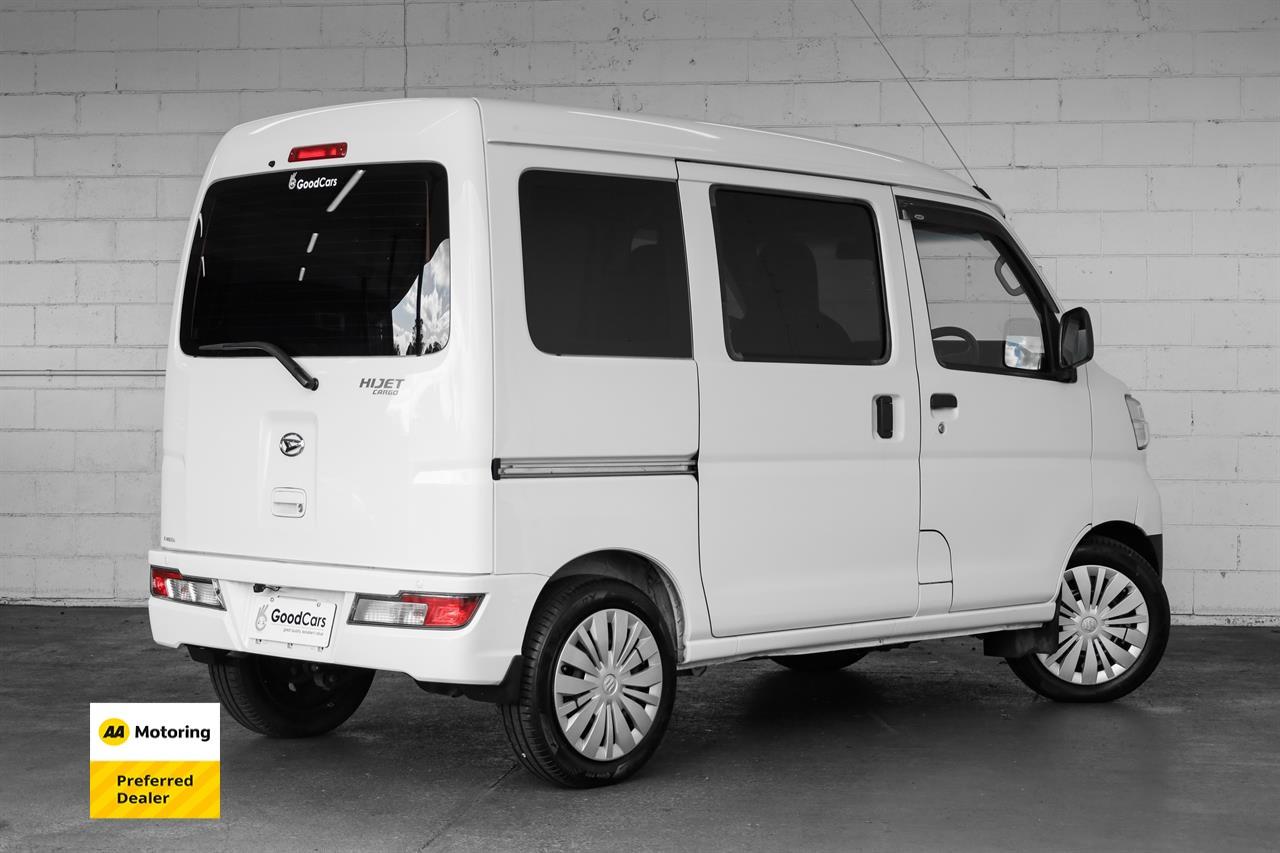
{"x":286,"y":619}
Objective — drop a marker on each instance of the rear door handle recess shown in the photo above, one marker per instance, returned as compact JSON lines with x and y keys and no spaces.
{"x":942,"y":401}
{"x":288,"y":503}
{"x":884,"y":416}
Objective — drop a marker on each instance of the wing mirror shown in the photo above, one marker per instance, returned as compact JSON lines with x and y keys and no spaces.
{"x":1075,"y":338}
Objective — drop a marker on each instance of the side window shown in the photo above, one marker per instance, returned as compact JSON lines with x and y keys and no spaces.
{"x":604,"y":265}
{"x":800,"y":278}
{"x":981,"y":309}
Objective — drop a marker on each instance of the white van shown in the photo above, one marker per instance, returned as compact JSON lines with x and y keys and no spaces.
{"x":700,"y":394}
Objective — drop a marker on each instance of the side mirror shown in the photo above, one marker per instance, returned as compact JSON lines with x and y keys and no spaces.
{"x":1075,"y":338}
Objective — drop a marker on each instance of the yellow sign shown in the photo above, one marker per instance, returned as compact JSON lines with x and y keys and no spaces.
{"x":156,"y":760}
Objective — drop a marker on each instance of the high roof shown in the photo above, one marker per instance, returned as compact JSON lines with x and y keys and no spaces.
{"x":520,"y":122}
{"x":641,"y":133}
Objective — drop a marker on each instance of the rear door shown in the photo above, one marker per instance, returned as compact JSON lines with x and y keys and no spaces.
{"x":595,"y":388}
{"x":365,"y":273}
{"x":808,"y":454}
{"x":1006,"y":439}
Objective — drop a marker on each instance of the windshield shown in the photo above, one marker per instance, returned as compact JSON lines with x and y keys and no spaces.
{"x":340,"y":261}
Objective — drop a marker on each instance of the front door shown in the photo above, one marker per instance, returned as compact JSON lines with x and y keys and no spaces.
{"x":809,"y":443}
{"x":1005,"y":437}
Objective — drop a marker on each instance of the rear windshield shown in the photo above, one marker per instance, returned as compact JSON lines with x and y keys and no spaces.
{"x":343,"y":261}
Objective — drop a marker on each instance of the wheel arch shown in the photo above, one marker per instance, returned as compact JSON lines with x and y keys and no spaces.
{"x":639,"y":570}
{"x":1127,"y":533}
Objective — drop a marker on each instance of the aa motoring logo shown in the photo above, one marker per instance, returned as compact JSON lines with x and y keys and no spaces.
{"x":113,"y":732}
{"x":311,"y":184}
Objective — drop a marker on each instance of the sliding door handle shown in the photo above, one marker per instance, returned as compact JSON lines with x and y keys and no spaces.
{"x":943,"y":401}
{"x":884,"y":416}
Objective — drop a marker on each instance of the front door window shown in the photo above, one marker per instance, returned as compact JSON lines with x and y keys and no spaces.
{"x":982,"y":310}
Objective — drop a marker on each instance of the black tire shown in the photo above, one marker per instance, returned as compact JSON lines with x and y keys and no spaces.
{"x":284,"y":698}
{"x":1034,"y":669}
{"x":821,"y":661}
{"x":532,"y":725}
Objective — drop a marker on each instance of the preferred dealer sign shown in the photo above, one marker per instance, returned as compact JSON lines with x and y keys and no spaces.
{"x":154,"y":760}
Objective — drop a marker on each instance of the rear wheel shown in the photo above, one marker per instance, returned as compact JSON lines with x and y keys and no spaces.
{"x":1113,"y":624}
{"x":284,"y":698}
{"x":821,"y":661}
{"x":597,"y":687}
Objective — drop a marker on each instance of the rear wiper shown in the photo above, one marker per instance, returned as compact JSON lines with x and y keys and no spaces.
{"x":297,"y":371}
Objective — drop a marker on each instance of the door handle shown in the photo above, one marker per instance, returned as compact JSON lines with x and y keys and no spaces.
{"x":943,"y":401}
{"x":884,"y":416}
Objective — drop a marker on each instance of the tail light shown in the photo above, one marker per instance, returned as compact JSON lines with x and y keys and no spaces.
{"x":415,"y":610}
{"x":171,"y":584}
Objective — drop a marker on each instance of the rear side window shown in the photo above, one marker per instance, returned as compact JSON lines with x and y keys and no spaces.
{"x":800,"y":278}
{"x":604,"y":265}
{"x":347,"y":261}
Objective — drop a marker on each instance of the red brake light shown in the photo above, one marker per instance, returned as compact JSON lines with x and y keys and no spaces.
{"x":158,"y":578}
{"x":327,"y":151}
{"x":445,"y":611}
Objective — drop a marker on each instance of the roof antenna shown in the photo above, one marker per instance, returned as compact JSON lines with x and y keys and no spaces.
{"x":907,"y":80}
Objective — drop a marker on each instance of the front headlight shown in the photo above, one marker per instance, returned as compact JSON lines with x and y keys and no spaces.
{"x":1141,"y":432}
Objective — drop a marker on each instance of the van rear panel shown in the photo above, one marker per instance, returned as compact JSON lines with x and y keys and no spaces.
{"x":371,"y":271}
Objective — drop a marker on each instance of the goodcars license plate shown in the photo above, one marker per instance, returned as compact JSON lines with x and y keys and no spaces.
{"x":286,"y":619}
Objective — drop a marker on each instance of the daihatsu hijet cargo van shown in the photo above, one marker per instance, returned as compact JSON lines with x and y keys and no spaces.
{"x":543,"y":406}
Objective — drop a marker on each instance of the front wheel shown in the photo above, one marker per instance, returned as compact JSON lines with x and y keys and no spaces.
{"x":1113,"y":624}
{"x":284,"y":698}
{"x":597,"y":687}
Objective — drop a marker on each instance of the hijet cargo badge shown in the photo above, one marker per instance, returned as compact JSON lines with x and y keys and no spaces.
{"x":156,"y":760}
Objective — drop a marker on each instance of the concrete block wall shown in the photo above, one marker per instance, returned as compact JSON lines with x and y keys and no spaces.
{"x":1136,"y":143}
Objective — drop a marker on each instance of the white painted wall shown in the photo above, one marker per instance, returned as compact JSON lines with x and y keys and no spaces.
{"x":1137,"y":143}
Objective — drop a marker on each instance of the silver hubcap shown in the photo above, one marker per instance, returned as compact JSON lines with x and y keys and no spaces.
{"x":608,"y":684}
{"x":1102,"y":626}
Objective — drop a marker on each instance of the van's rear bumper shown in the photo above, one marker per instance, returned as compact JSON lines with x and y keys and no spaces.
{"x":479,"y":654}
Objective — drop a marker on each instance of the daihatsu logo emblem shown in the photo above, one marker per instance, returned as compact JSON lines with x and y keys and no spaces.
{"x":291,"y":444}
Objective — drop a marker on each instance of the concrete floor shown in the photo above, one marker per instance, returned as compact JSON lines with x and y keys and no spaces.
{"x":930,"y":748}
